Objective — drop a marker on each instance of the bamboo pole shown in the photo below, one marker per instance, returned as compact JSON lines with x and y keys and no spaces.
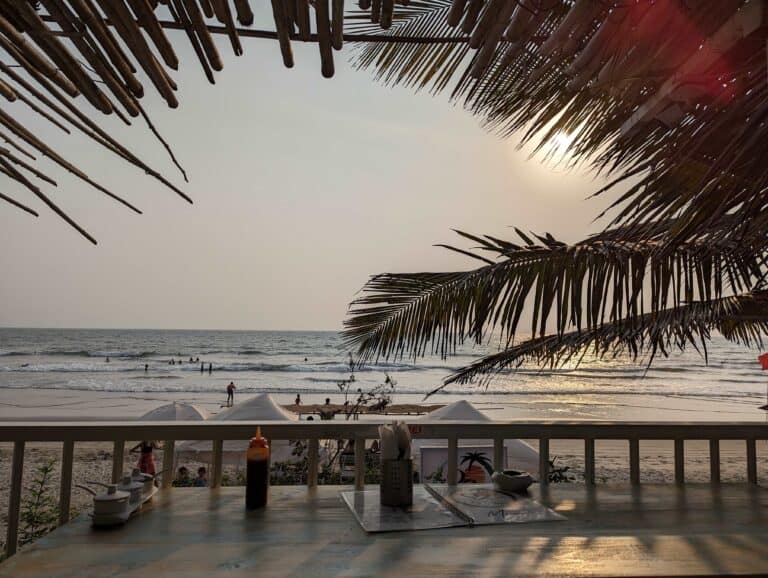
{"x":200,"y":28}
{"x":16,"y":160}
{"x":471,"y":15}
{"x":224,"y":15}
{"x":87,"y":12}
{"x":148,"y":21}
{"x":16,"y":203}
{"x":302,"y":19}
{"x":337,"y":24}
{"x":25,"y":135}
{"x":455,"y":13}
{"x":323,"y":24}
{"x":89,"y":128}
{"x":244,"y":12}
{"x":7,"y":92}
{"x":36,"y":58}
{"x":179,"y":13}
{"x":129,"y":32}
{"x":283,"y":34}
{"x":80,"y":38}
{"x":387,"y":12}
{"x":65,"y":484}
{"x":59,"y":54}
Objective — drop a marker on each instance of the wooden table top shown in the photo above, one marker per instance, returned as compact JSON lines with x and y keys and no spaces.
{"x":651,"y":530}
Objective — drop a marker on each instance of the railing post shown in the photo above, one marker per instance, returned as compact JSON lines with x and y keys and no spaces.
{"x":65,"y":485}
{"x":313,"y":449}
{"x":679,"y":461}
{"x":714,"y":461}
{"x":14,"y":500}
{"x":634,"y":461}
{"x":169,"y":449}
{"x":359,"y":463}
{"x":453,"y":461}
{"x":498,"y":454}
{"x":218,"y":468}
{"x":751,"y":461}
{"x":118,"y":457}
{"x":589,"y":461}
{"x":544,"y":461}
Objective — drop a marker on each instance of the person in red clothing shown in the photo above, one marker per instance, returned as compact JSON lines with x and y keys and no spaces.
{"x":146,"y":463}
{"x":231,"y":394}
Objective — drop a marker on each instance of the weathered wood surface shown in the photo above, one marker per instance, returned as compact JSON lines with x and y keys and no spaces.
{"x":611,"y":531}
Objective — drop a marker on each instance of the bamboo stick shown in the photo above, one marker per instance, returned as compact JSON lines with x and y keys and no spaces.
{"x":33,"y":141}
{"x":302,"y":19}
{"x":224,"y":15}
{"x":80,"y":38}
{"x":283,"y":34}
{"x":7,"y":92}
{"x":199,"y":26}
{"x":87,"y":13}
{"x":178,"y":12}
{"x":455,"y":13}
{"x":387,"y":12}
{"x":53,"y":206}
{"x":323,"y":24}
{"x":376,"y":11}
{"x":149,"y":22}
{"x":36,"y":58}
{"x":337,"y":24}
{"x":59,"y":54}
{"x":484,"y":56}
{"x":91,"y":129}
{"x":208,"y":10}
{"x":16,"y":160}
{"x":129,"y":32}
{"x":17,"y":146}
{"x":17,"y":204}
{"x":471,"y":15}
{"x":244,"y":12}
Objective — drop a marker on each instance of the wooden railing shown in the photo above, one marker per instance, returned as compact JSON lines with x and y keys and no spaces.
{"x":120,"y":432}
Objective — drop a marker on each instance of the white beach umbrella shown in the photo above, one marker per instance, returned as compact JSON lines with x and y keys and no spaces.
{"x":259,"y":408}
{"x":176,"y":412}
{"x":519,"y":454}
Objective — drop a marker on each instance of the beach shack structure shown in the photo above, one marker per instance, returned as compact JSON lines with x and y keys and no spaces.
{"x":257,"y":409}
{"x":517,"y":454}
{"x":668,"y":97}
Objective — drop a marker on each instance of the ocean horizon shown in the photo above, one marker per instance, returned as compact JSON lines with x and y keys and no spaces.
{"x":155,"y":364}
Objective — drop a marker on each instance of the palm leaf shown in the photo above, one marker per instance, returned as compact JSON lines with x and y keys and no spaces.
{"x":741,"y":319}
{"x":605,"y":278}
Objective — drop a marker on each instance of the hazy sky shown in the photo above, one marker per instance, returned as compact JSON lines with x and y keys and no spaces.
{"x":303,"y":187}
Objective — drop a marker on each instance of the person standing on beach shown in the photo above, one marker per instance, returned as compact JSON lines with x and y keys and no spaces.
{"x":146,"y":463}
{"x":202,"y":367}
{"x":298,"y":399}
{"x":231,"y":394}
{"x":210,"y":368}
{"x":146,"y":367}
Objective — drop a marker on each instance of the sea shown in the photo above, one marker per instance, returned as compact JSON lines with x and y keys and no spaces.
{"x":47,"y":372}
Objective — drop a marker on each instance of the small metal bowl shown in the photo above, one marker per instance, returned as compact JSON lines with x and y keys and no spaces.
{"x":512,"y":481}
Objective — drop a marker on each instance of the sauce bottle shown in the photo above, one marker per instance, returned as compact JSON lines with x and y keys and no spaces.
{"x":257,"y":472}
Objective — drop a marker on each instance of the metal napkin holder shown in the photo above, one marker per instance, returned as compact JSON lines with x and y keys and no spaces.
{"x":396,"y":487}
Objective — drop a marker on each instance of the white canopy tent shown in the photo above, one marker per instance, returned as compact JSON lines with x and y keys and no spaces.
{"x":519,"y":455}
{"x":259,"y":408}
{"x":176,"y":412}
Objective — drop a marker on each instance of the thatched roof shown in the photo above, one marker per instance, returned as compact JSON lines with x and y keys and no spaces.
{"x":677,"y":86}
